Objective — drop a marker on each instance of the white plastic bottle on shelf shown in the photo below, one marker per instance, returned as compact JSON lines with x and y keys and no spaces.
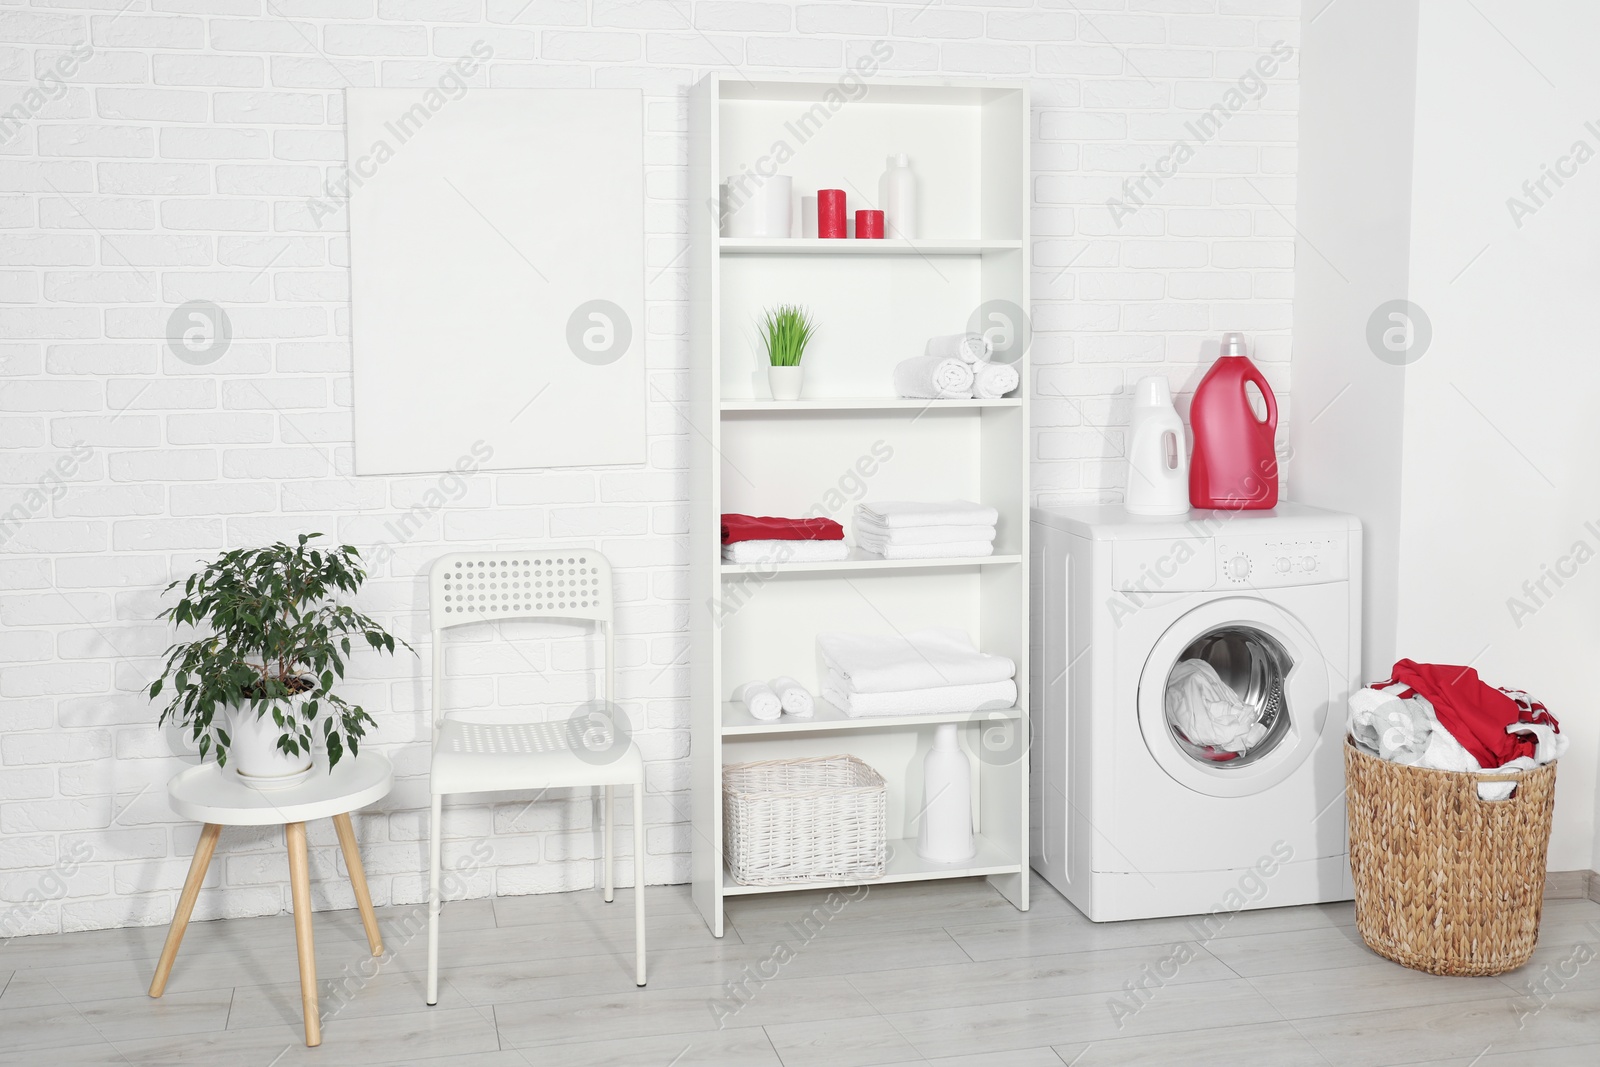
{"x":946,"y":832}
{"x":1158,"y":461}
{"x":898,"y":194}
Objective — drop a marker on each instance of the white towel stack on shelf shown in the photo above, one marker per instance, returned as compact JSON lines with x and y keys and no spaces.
{"x":919,"y":673}
{"x":906,"y":529}
{"x":955,"y":367}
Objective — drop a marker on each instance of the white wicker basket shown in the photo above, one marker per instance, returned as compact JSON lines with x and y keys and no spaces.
{"x":803,"y":820}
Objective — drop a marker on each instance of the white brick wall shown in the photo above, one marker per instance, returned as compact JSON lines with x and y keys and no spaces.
{"x":166,"y":154}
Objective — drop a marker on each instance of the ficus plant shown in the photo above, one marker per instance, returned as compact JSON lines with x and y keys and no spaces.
{"x":271,"y":629}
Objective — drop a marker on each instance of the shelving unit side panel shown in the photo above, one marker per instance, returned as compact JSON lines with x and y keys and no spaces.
{"x":703,"y":413}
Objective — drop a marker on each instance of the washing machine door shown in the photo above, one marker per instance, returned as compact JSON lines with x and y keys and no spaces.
{"x":1269,"y":661}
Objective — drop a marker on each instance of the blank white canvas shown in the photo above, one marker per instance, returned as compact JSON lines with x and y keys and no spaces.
{"x":497,"y":277}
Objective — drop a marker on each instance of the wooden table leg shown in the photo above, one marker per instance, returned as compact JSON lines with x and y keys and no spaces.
{"x":300,"y":889}
{"x":180,"y":918}
{"x":358,"y":880}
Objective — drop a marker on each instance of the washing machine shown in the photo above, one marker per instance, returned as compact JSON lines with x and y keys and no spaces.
{"x":1131,"y":819}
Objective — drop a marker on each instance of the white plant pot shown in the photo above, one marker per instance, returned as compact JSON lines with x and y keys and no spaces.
{"x":785,"y":382}
{"x":254,"y":754}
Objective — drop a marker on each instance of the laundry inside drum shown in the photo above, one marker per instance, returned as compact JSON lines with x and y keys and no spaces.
{"x":1225,"y":701}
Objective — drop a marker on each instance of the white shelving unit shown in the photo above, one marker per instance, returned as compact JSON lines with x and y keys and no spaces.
{"x":851,"y":439}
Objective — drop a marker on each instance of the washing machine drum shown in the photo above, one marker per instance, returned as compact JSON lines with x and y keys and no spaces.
{"x":1234,"y":697}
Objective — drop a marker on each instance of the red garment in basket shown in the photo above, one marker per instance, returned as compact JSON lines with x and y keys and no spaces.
{"x":1475,"y":713}
{"x":737,"y":527}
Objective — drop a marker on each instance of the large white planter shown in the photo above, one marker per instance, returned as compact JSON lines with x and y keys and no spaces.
{"x":785,"y":382}
{"x":254,"y":753}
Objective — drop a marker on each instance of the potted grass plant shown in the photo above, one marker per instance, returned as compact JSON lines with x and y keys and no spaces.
{"x":256,"y":686}
{"x":786,"y":330}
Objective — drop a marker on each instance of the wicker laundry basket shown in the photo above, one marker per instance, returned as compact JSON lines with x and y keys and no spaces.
{"x":804,"y":820}
{"x":1446,"y":882}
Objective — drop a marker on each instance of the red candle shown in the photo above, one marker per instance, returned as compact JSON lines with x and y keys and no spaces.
{"x":830,"y":213}
{"x":869,"y":224}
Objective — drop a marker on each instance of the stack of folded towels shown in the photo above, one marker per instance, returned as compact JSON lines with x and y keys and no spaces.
{"x":927,"y":671}
{"x":906,"y":529}
{"x":769,"y":539}
{"x":955,"y":367}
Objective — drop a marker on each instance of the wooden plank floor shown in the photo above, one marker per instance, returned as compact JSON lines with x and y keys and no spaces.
{"x":941,"y":973}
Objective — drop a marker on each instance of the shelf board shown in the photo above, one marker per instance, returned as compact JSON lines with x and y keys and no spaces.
{"x":738,"y":722}
{"x":826,"y":404}
{"x":904,"y":866}
{"x":862,"y":560}
{"x":849,"y":246}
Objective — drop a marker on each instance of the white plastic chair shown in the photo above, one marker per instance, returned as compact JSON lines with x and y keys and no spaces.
{"x":472,"y":587}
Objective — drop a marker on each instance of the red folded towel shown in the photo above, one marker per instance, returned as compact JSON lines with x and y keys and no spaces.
{"x":769,"y":528}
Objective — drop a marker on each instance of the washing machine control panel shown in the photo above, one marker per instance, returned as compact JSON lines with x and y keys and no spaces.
{"x":1264,"y":562}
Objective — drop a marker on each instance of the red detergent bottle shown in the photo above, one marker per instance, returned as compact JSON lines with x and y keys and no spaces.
{"x":1234,"y":465}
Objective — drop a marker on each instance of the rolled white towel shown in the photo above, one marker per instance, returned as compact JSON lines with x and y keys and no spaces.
{"x":933,"y":378}
{"x":967,"y":347}
{"x":795,"y":698}
{"x":993,"y":380}
{"x":759,"y":698}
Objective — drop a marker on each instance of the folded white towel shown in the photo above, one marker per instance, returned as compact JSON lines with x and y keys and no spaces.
{"x":967,"y":347}
{"x":895,"y":514}
{"x":870,"y":534}
{"x":795,"y":698}
{"x":993,"y":380}
{"x":933,"y":378}
{"x":759,"y":698}
{"x":949,"y":550}
{"x":785,"y":551}
{"x":922,"y":659}
{"x":983,"y":696}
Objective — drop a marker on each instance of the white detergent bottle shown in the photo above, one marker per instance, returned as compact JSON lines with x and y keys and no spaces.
{"x":1158,"y":459}
{"x":945,"y":835}
{"x":898,"y":194}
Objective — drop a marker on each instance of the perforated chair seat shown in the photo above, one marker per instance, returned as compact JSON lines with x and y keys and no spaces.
{"x":471,"y":757}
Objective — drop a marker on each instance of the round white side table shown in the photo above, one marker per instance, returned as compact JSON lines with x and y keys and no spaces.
{"x":211,"y":795}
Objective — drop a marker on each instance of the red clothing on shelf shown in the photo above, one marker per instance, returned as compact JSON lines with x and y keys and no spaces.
{"x":737,"y":527}
{"x":1475,"y":713}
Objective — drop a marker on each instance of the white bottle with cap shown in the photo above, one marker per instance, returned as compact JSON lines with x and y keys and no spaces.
{"x":1158,"y":460}
{"x":945,"y":834}
{"x":898,"y":195}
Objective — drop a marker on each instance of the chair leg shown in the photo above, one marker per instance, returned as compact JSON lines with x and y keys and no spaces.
{"x":180,"y":918}
{"x":358,"y":881}
{"x":300,"y":890}
{"x":638,"y":881}
{"x":608,"y":820}
{"x":435,"y":858}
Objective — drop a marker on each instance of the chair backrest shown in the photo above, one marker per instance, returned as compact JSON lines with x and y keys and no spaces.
{"x":545,"y":583}
{"x":466,"y":587}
